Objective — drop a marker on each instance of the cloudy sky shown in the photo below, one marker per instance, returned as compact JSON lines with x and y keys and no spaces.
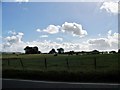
{"x":74,"y":26}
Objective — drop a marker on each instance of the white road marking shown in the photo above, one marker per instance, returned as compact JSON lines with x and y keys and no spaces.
{"x":115,"y":84}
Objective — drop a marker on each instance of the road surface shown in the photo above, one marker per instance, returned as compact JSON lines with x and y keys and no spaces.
{"x":17,"y":83}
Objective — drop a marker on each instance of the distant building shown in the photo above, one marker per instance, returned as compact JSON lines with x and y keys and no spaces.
{"x":31,"y":50}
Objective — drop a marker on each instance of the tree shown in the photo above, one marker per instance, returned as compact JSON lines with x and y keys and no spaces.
{"x":77,"y":53}
{"x":119,"y":51}
{"x":52,"y":51}
{"x":31,"y":50}
{"x":27,"y":50}
{"x":112,"y":52}
{"x":71,"y":52}
{"x":60,"y":50}
{"x":35,"y":49}
{"x":95,"y":52}
{"x":39,"y":52}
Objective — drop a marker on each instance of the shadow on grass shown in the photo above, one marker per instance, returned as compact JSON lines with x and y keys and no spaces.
{"x":69,"y":76}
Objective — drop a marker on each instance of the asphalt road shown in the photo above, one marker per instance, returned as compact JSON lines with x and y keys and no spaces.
{"x":17,"y":83}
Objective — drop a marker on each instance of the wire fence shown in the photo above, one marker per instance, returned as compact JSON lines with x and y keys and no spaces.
{"x":63,"y":64}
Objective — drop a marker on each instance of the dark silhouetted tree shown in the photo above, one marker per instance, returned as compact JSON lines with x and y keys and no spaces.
{"x":60,"y":50}
{"x":112,"y":52}
{"x":118,"y":50}
{"x":52,"y":51}
{"x":71,"y":52}
{"x":31,"y":50}
{"x":95,"y":52}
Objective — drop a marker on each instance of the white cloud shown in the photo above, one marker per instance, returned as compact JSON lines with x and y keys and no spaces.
{"x":21,"y":0}
{"x":59,"y":39}
{"x":0,"y":37}
{"x":52,"y":29}
{"x":12,"y":44}
{"x":74,"y":28}
{"x":99,"y":34}
{"x":20,"y":34}
{"x":12,"y":32}
{"x":15,"y":39}
{"x":15,"y":43}
{"x":110,"y":7}
{"x":100,"y":43}
{"x":38,"y":30}
{"x":108,"y":43}
{"x":44,"y":36}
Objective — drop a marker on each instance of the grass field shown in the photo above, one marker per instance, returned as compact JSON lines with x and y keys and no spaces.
{"x":62,"y":65}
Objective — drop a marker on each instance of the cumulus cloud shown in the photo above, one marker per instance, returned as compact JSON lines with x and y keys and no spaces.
{"x":44,"y":36}
{"x":15,"y":39}
{"x":100,"y":43}
{"x":108,"y":43}
{"x":12,"y":32}
{"x":38,"y":30}
{"x":52,"y":29}
{"x":110,"y":7}
{"x":59,"y":39}
{"x":15,"y":43}
{"x":0,"y":37}
{"x":21,"y":0}
{"x":74,"y":28}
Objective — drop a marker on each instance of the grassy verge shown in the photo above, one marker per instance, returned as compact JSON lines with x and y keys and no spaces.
{"x":111,"y":77}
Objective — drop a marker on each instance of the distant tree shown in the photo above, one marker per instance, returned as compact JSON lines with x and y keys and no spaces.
{"x":35,"y":50}
{"x":95,"y":52}
{"x":77,"y":53}
{"x":13,"y":52}
{"x":112,"y":52}
{"x":39,"y":52}
{"x":31,"y":50}
{"x":83,"y":52}
{"x":60,"y":50}
{"x":118,"y":50}
{"x":27,"y":50}
{"x":52,"y":51}
{"x":71,"y":52}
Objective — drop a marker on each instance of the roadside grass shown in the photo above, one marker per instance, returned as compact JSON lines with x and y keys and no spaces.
{"x":72,"y":76}
{"x":81,"y":67}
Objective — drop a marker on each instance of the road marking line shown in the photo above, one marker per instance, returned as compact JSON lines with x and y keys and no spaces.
{"x":64,"y":82}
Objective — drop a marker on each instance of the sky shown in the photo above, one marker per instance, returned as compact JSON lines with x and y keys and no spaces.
{"x":78,"y":26}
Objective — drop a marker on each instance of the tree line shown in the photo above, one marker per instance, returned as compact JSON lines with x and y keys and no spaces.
{"x":34,"y":50}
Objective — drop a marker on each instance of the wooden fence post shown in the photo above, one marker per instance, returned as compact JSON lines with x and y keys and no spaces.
{"x":67,"y":63}
{"x":8,"y":62}
{"x":22,"y":64}
{"x":95,"y":62}
{"x":45,"y":63}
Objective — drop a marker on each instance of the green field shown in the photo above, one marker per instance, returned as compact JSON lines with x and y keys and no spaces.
{"x":107,"y":64}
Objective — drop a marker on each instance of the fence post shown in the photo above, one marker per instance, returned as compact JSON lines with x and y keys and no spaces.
{"x":95,"y":62}
{"x":22,"y":64}
{"x":67,"y":63}
{"x":8,"y":62}
{"x":45,"y":63}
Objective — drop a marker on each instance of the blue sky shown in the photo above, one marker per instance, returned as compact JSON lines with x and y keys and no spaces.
{"x":28,"y":17}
